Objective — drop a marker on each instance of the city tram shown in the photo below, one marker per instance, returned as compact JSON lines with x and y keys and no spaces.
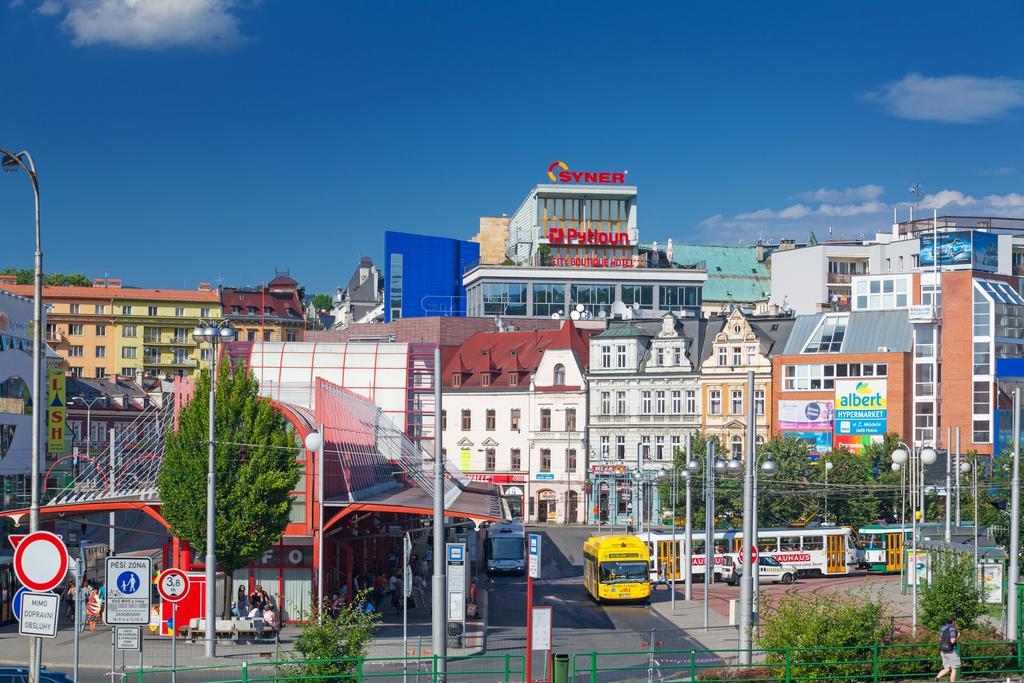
{"x":616,"y":568}
{"x":813,"y":551}
{"x":880,"y":547}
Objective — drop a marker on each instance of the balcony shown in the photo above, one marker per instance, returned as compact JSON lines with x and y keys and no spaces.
{"x":172,"y":362}
{"x":172,"y":341}
{"x":840,"y":278}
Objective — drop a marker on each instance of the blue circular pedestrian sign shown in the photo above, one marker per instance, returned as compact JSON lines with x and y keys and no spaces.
{"x":128,"y":582}
{"x":16,"y":602}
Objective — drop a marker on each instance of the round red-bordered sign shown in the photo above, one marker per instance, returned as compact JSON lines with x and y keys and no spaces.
{"x":41,"y":561}
{"x":172,"y":584}
{"x":753,"y":554}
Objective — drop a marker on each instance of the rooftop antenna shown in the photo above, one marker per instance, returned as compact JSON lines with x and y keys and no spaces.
{"x":917,"y":189}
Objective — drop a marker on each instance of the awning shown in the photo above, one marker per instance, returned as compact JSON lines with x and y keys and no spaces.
{"x":475,"y":501}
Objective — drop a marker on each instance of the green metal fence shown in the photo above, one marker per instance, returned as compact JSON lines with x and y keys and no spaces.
{"x":877,"y":664}
{"x":507,"y":668}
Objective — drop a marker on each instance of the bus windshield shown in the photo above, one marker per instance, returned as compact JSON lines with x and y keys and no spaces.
{"x":505,"y":548}
{"x":624,"y":572}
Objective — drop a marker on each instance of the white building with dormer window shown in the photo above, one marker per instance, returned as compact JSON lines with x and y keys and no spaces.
{"x":644,"y":389}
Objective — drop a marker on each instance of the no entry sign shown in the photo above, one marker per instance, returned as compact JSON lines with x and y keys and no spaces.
{"x":40,"y":561}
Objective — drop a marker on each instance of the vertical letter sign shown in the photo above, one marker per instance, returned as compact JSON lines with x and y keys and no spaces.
{"x":55,"y":420}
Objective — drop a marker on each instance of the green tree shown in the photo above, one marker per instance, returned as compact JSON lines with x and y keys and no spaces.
{"x":322,"y":302}
{"x":255,"y":469}
{"x":332,"y":645}
{"x":26,"y":276}
{"x":953,"y":591}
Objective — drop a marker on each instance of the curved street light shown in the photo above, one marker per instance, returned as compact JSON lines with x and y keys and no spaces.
{"x":905,"y":455}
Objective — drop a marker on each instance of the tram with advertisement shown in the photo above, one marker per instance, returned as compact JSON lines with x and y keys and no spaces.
{"x":813,"y":551}
{"x":616,"y":568}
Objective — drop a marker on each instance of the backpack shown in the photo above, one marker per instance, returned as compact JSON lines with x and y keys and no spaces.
{"x":946,"y":639}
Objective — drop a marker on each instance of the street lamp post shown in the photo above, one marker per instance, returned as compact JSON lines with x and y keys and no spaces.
{"x":768,"y":468}
{"x":925,"y":456}
{"x":214,"y":334}
{"x":15,"y":161}
{"x":828,"y":468}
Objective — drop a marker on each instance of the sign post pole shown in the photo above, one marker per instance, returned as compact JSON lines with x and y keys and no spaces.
{"x":174,"y":642}
{"x":77,"y":606}
{"x":533,"y":573}
{"x":406,"y":548}
{"x":173,"y":586}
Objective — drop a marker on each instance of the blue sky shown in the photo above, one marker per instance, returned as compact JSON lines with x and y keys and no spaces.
{"x":222,"y":139}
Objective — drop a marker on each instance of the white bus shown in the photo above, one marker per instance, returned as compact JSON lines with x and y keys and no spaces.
{"x":505,"y":548}
{"x":813,"y":551}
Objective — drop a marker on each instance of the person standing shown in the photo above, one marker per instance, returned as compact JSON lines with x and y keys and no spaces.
{"x":948,"y":638}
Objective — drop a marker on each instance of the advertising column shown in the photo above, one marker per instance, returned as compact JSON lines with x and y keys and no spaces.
{"x":861,"y":413}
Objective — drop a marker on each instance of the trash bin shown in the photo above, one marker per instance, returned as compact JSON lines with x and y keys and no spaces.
{"x":560,"y":669}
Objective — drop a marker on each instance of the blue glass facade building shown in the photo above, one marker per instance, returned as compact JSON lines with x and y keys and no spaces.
{"x":423,"y":275}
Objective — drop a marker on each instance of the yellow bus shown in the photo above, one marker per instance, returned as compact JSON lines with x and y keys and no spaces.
{"x":616,"y":568}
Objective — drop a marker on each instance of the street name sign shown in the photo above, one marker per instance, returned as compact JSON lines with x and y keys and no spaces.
{"x":39,"y":613}
{"x":129,"y":598}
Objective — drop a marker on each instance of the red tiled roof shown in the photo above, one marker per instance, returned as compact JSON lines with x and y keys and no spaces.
{"x":61,"y":292}
{"x":281,"y":304}
{"x":498,"y":354}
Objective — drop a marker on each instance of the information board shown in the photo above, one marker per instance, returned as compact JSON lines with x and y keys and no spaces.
{"x":127,"y":637}
{"x":39,"y":613}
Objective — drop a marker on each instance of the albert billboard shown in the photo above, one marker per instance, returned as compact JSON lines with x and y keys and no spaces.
{"x":861,"y":407}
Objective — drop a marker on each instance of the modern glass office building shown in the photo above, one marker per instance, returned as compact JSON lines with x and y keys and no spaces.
{"x":423,"y":275}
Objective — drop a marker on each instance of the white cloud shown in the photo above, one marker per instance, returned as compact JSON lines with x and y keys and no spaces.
{"x":1010,"y":205}
{"x":49,"y":8}
{"x":797,"y":211}
{"x":946,"y":198}
{"x":149,"y":24}
{"x":949,"y":99}
{"x":1006,"y":201}
{"x":1003,"y":170}
{"x":848,"y":194}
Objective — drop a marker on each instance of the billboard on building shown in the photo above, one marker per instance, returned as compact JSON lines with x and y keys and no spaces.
{"x":855,"y":443}
{"x":818,"y":443}
{"x":979,"y":250}
{"x":56,"y":413}
{"x":805,"y":416}
{"x":861,"y":407}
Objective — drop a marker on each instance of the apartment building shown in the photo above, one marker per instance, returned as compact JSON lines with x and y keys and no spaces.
{"x":270,"y":312}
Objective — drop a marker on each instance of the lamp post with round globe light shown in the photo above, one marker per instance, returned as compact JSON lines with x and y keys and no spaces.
{"x":213,"y":333}
{"x":971,"y":466}
{"x":767,"y":468}
{"x":924,"y":456}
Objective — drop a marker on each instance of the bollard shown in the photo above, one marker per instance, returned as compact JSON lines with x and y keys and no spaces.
{"x":560,"y":669}
{"x":245,"y":670}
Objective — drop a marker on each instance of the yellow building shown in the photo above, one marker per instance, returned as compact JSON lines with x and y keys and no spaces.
{"x":154,"y":329}
{"x":737,"y":344}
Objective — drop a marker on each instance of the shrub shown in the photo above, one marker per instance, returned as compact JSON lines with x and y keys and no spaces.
{"x":983,"y":651}
{"x":334,"y":643}
{"x":735,"y":673}
{"x":953,"y":591}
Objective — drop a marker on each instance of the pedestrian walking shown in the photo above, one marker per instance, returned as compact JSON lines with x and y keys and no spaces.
{"x":948,"y":638}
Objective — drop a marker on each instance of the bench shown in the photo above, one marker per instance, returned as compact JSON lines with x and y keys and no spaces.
{"x":234,"y":628}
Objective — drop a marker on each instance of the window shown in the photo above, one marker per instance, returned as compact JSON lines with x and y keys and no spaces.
{"x":981,"y":433}
{"x":924,"y":379}
{"x":675,"y":446}
{"x":659,"y":356}
{"x":545,"y":460}
{"x":759,"y":401}
{"x":250,"y":335}
{"x":596,"y":299}
{"x":620,"y":402}
{"x":266,"y":335}
{"x":559,"y":375}
{"x":606,"y":357}
{"x":485,"y":379}
{"x":723,"y":356}
{"x":181,"y":335}
{"x":75,"y":330}
{"x":128,"y":372}
{"x":828,"y":337}
{"x":931,"y":295}
{"x":101,"y":351}
{"x":605,"y":448}
{"x":736,"y":446}
{"x":101,"y":330}
{"x":456,"y":379}
{"x":877,"y":294}
{"x":737,"y":355}
{"x":444,"y":420}
{"x":677,"y":402}
{"x":76,"y":351}
{"x":126,"y":310}
{"x":179,"y":312}
{"x":129,"y":352}
{"x":290,"y":336}
{"x":736,"y":401}
{"x":620,"y":447}
{"x":645,"y":402}
{"x":677,"y":356}
{"x":152,"y":310}
{"x":659,"y":402}
{"x":100,"y":309}
{"x":504,"y":298}
{"x":570,"y":419}
{"x":691,"y":401}
{"x":51,"y":331}
{"x":75,"y":309}
{"x":545,"y":419}
{"x":129,"y":331}
{"x":76,"y":372}
{"x":513,"y":378}
{"x":490,"y":419}
{"x":606,"y":403}
{"x":395,"y":297}
{"x":517,"y":459}
{"x":514,"y":419}
{"x":570,"y":460}
{"x":672,"y":298}
{"x":549,"y":300}
{"x":204,"y":312}
{"x":751,"y":355}
{"x":620,"y":356}
{"x":659,"y":448}
{"x":714,"y":402}
{"x":982,"y":314}
{"x":638,"y":294}
{"x":467,"y":419}
{"x":489,"y":460}
{"x":645,"y":447}
{"x":924,"y":341}
{"x":982,"y":358}
{"x":100,"y":372}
